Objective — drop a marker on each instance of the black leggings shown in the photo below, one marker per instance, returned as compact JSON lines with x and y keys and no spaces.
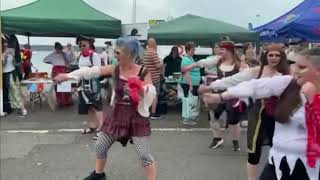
{"x":254,"y":158}
{"x":264,"y":137}
{"x":186,"y":87}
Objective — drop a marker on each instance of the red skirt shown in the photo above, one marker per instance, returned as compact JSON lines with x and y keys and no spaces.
{"x":63,"y":98}
{"x":124,"y":122}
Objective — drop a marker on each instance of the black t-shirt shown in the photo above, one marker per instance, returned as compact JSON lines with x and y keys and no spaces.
{"x":172,"y":65}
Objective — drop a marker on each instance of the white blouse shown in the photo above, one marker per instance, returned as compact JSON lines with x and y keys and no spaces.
{"x":85,"y":61}
{"x":149,"y":91}
{"x":290,"y":139}
{"x":8,"y":66}
{"x":224,"y":83}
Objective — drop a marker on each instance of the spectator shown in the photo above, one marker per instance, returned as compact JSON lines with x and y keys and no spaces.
{"x":152,"y":62}
{"x":190,"y":80}
{"x":26,"y":55}
{"x":12,"y":91}
{"x":172,"y":62}
{"x":59,"y":60}
{"x":89,"y":58}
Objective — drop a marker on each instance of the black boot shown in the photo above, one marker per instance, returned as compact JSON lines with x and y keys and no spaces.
{"x":95,"y":176}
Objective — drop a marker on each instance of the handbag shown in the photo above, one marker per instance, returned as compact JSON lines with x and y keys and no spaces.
{"x":190,"y":107}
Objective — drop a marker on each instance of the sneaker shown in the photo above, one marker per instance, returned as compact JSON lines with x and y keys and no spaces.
{"x":236,"y":146}
{"x":94,"y":176}
{"x":188,"y":122}
{"x":216,"y":142}
{"x":154,"y":116}
{"x":23,"y":112}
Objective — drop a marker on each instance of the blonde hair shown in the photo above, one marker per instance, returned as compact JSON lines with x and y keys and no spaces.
{"x":313,"y":55}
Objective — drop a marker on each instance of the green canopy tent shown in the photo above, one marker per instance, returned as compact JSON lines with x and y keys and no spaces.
{"x":59,"y":18}
{"x":202,"y":31}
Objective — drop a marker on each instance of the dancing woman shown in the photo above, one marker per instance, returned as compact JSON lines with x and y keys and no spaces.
{"x":260,"y":114}
{"x":295,"y":153}
{"x":227,"y":65}
{"x":128,"y":117}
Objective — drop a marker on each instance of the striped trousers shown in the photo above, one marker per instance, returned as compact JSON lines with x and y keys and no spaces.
{"x":105,"y":141}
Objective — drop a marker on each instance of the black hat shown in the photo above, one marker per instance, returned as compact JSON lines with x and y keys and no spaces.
{"x":58,"y":45}
{"x":84,"y":38}
{"x":108,"y":43}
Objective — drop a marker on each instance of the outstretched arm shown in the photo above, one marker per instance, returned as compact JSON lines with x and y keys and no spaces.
{"x":86,"y":72}
{"x":225,"y":83}
{"x":203,"y":63}
{"x":256,"y":89}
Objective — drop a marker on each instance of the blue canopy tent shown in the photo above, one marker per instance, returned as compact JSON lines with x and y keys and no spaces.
{"x":302,"y":22}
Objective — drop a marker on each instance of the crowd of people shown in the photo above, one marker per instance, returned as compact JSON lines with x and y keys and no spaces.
{"x":277,"y":88}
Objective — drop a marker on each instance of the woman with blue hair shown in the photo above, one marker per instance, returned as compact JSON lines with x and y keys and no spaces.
{"x":127,"y":119}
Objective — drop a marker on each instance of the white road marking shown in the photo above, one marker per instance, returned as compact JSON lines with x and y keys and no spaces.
{"x":28,"y":131}
{"x":79,"y":130}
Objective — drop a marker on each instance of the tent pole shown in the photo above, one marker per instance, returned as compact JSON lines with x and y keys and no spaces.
{"x":1,"y":74}
{"x":28,"y":40}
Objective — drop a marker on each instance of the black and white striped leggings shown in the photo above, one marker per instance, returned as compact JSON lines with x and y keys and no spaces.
{"x":105,"y":141}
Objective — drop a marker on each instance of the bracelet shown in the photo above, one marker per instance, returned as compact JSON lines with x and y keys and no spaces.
{"x":221,"y":98}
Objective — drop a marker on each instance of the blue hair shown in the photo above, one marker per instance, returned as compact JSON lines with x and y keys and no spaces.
{"x":132,"y":45}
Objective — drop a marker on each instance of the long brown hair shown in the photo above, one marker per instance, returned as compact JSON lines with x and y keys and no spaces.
{"x":230,"y":46}
{"x":283,"y":66}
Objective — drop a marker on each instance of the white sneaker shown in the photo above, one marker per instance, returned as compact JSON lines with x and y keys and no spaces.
{"x":24,"y":112}
{"x":188,"y":122}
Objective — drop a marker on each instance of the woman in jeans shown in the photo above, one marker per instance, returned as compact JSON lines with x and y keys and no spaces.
{"x":190,"y":80}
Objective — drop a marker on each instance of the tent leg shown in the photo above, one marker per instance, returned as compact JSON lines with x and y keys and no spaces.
{"x":28,"y":40}
{"x":1,"y":78}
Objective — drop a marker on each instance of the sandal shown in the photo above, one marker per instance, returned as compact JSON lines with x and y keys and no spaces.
{"x":88,"y":130}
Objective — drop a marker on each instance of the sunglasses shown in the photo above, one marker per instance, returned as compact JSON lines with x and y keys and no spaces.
{"x":117,"y":52}
{"x":273,"y":55}
{"x":83,"y":46}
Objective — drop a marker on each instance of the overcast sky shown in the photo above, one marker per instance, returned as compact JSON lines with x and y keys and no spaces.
{"x":238,"y":12}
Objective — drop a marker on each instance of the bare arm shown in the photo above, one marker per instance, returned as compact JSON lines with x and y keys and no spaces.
{"x":186,"y":75}
{"x":189,"y":67}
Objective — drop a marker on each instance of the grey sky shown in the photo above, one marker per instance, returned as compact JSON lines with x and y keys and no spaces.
{"x":238,"y":12}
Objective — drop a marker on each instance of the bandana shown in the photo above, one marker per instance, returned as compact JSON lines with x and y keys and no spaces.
{"x":228,"y":46}
{"x":87,"y":52}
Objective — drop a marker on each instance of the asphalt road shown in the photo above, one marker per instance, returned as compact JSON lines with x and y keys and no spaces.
{"x":47,"y":145}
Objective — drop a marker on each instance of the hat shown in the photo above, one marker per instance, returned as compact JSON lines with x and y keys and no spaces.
{"x":84,"y":38}
{"x":108,"y":43}
{"x":58,"y":45}
{"x":69,"y":44}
